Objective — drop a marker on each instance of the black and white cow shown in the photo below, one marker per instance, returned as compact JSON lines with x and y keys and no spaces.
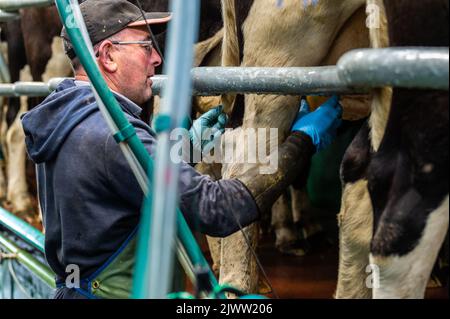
{"x":395,"y":210}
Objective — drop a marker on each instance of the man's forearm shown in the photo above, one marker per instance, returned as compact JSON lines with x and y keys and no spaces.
{"x":294,"y":156}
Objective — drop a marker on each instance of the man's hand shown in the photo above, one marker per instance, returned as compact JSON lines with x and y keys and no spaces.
{"x":210,"y":125}
{"x":322,"y":124}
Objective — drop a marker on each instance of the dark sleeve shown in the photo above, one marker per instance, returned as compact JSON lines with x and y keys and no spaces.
{"x":211,"y":207}
{"x":294,"y":156}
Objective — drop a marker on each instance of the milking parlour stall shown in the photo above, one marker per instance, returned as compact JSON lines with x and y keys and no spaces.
{"x":236,"y":152}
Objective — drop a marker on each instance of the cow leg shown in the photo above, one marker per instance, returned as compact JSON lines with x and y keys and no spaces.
{"x":355,"y":220}
{"x":407,"y":276}
{"x":18,"y":198}
{"x":239,"y":268}
{"x":17,"y":192}
{"x":214,"y":171}
{"x":285,"y":216}
{"x":215,"y":246}
{"x":283,"y":224}
{"x":3,"y":130}
{"x":356,"y":215}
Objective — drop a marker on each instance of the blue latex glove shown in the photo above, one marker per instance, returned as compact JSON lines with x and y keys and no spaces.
{"x":322,"y":124}
{"x":214,"y":122}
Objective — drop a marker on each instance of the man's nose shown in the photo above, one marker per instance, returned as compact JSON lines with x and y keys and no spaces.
{"x":155,"y":58}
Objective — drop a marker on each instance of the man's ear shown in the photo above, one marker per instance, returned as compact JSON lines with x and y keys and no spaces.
{"x":106,"y":57}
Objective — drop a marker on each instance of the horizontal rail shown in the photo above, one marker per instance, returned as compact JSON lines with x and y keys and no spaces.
{"x":356,"y":72}
{"x":22,"y":229}
{"x":14,"y":5}
{"x":29,"y":88}
{"x":8,"y":16}
{"x":210,"y":81}
{"x":405,"y":67}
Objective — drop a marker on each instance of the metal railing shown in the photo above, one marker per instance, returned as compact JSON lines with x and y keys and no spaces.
{"x":8,"y":16}
{"x":29,"y":88}
{"x":356,"y":72}
{"x":14,"y":5}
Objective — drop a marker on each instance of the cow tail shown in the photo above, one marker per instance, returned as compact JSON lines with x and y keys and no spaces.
{"x":381,"y":101}
{"x":230,"y":46}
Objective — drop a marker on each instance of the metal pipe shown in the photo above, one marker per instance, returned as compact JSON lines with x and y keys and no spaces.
{"x":22,"y":229}
{"x":356,"y":72}
{"x":39,"y":269}
{"x":29,"y":88}
{"x":4,"y":71}
{"x":183,"y":32}
{"x":8,"y":16}
{"x":425,"y":68}
{"x":295,"y":81}
{"x":14,"y":5}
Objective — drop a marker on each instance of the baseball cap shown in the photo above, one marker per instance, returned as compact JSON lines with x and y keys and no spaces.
{"x":105,"y":18}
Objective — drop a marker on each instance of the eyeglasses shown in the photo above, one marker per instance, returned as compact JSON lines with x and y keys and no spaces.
{"x":147,"y":45}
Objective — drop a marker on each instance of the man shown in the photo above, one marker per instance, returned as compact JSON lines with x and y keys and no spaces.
{"x":89,"y":196}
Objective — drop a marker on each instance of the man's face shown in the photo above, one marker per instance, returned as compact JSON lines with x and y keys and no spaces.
{"x":135,"y":65}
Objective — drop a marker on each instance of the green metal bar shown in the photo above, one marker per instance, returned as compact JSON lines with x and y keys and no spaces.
{"x":22,"y":229}
{"x":42,"y":271}
{"x":116,"y":113}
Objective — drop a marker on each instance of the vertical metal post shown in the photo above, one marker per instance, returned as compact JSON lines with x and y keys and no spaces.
{"x":4,"y":71}
{"x":183,"y":33}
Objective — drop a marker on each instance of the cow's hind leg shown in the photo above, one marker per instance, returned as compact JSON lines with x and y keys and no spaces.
{"x":17,"y":192}
{"x":3,"y":130}
{"x":240,"y":269}
{"x":284,"y":227}
{"x":355,"y":221}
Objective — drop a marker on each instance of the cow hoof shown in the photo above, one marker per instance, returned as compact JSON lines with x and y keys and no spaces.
{"x":297,"y":249}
